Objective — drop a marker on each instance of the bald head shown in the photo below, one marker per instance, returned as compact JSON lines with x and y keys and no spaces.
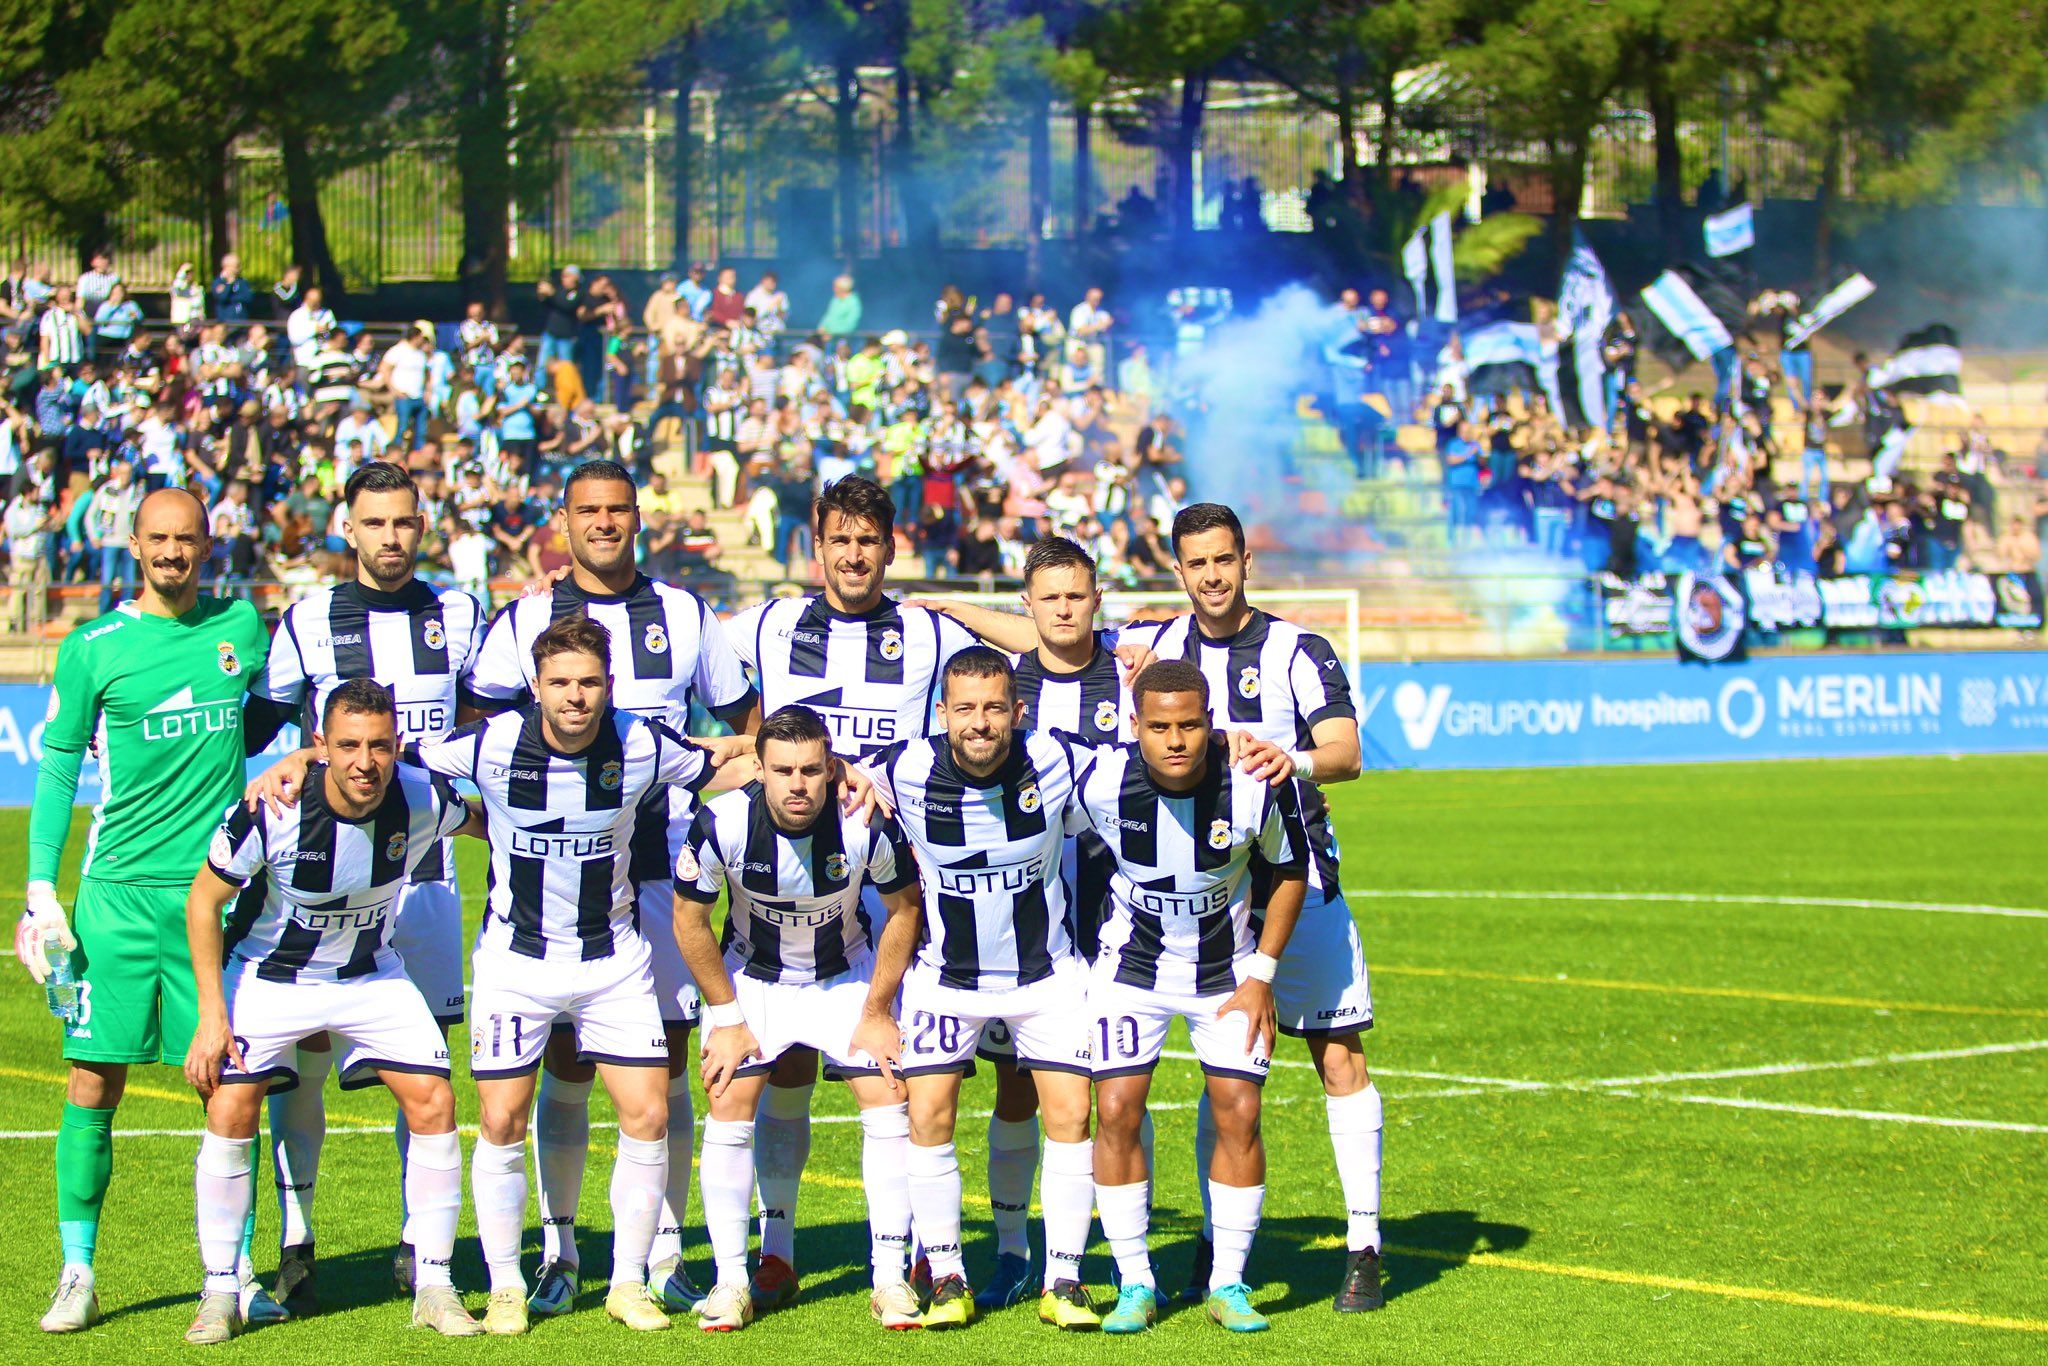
{"x":170,"y":541}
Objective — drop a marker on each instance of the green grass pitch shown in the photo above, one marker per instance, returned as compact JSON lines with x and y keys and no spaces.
{"x":1619,"y":1127}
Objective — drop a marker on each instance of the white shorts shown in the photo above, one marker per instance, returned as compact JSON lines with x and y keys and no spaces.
{"x":427,"y":932}
{"x":1130,"y":1023}
{"x":820,"y":1015}
{"x":1048,"y":1021}
{"x":1321,"y":990}
{"x":608,"y":1002}
{"x":674,"y":989}
{"x":382,"y":1020}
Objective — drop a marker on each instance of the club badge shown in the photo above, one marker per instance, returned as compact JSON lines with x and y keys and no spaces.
{"x":610,"y":774}
{"x":892,"y":645}
{"x":687,"y":867}
{"x":1219,"y":833}
{"x":1027,"y":800}
{"x":656,"y":639}
{"x":1105,"y":714}
{"x":229,"y":664}
{"x":1248,"y":681}
{"x":433,"y":635}
{"x":835,"y":868}
{"x":394,"y":848}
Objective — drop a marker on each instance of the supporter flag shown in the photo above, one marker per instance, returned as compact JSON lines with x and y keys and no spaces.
{"x":1707,"y":618}
{"x":1425,"y":253}
{"x":1502,"y":356}
{"x":1927,"y":362}
{"x":1732,"y":231}
{"x":1698,"y":313}
{"x":1585,"y":306}
{"x":1829,"y":307}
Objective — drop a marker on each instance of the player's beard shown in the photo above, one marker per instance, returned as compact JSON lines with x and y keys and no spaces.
{"x":389,"y":576}
{"x":999,"y":750}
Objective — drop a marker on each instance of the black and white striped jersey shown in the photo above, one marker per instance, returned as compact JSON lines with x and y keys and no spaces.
{"x":988,"y":853}
{"x":561,"y":825}
{"x":668,"y":650}
{"x":1092,"y":703}
{"x":1094,"y":706}
{"x":318,"y":887}
{"x":1277,"y":682}
{"x":1180,"y":898}
{"x":874,"y":678}
{"x":793,"y":910}
{"x":419,"y":642}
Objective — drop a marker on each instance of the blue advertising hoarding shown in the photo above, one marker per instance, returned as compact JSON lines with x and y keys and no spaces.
{"x":1533,"y":713}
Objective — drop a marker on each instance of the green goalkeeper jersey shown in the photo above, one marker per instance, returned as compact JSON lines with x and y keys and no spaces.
{"x":163,"y":697}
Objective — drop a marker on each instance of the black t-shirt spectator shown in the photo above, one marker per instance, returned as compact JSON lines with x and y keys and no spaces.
{"x":979,"y":553}
{"x":559,"y":313}
{"x":231,"y":300}
{"x":954,"y":354}
{"x":513,"y":519}
{"x":81,"y":444}
{"x":1447,"y":416}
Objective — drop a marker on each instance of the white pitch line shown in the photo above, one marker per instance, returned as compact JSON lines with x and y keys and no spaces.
{"x":1784,"y":1069}
{"x":1699,"y":899}
{"x":1503,"y":1083}
{"x":1834,"y":1112}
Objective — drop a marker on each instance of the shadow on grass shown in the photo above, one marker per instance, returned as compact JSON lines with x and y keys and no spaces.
{"x":1420,"y":1250}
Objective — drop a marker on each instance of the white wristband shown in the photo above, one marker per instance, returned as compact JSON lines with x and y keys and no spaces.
{"x":1260,"y":967}
{"x":725,"y":1016}
{"x":1304,"y":763}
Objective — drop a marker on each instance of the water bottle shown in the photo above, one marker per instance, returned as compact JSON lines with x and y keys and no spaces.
{"x":60,"y":988}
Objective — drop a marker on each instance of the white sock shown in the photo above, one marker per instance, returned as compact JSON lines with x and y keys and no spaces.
{"x":884,"y":1173}
{"x":1126,"y":1219}
{"x":1237,"y":1210}
{"x":638,"y":1177}
{"x":561,"y":1147}
{"x":222,"y":1192}
{"x":933,"y":1176}
{"x":298,"y":1123}
{"x":497,"y":1186}
{"x":1356,"y":1125}
{"x":675,"y":1203}
{"x":1205,"y":1155}
{"x":433,"y":1202}
{"x":782,"y":1145}
{"x":728,"y":1194}
{"x":1068,"y":1193}
{"x":1012,"y":1162}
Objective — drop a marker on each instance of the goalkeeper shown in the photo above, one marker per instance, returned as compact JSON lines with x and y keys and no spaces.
{"x":159,"y":683}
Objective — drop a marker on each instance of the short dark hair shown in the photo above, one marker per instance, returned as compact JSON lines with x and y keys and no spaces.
{"x":574,"y":635}
{"x":793,"y":725}
{"x":1196,"y":518}
{"x":855,"y":496}
{"x":1056,"y":552}
{"x":610,"y":471}
{"x":379,"y":476}
{"x":1169,"y":675}
{"x":979,"y":661}
{"x":358,"y":697}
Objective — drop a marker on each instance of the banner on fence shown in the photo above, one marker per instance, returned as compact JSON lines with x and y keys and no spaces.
{"x":1633,"y":609}
{"x":1521,"y":714}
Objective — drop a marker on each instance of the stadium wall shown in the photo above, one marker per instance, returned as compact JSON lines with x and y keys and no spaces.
{"x":1525,"y":714}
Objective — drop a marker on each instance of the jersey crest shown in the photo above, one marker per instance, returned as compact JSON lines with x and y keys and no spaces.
{"x":1248,"y":681}
{"x":1219,"y":833}
{"x":892,"y":644}
{"x":687,"y":867}
{"x":1028,"y":799}
{"x":394,"y":848}
{"x":229,"y":663}
{"x":656,"y":638}
{"x":1105,"y":714}
{"x":433,"y":635}
{"x":610,"y":774}
{"x":835,"y":868}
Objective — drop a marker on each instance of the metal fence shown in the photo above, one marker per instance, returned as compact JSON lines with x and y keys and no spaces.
{"x":757,"y":168}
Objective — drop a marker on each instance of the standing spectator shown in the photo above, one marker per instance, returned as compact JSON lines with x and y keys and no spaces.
{"x":771,"y":307}
{"x":1088,"y":325}
{"x":656,"y":316}
{"x":233,"y":527}
{"x":1447,"y":417}
{"x":114,"y":321}
{"x":61,"y":333}
{"x":469,"y":555}
{"x":561,"y":318}
{"x":305,"y":325}
{"x":1618,"y":351}
{"x":287,"y":292}
{"x":518,"y":401}
{"x":727,"y":303}
{"x":512,"y":525}
{"x":842,"y":314}
{"x":230,"y":297}
{"x":27,"y":524}
{"x":109,"y":521}
{"x":188,"y":300}
{"x":403,"y":374}
{"x":97,"y":285}
{"x":723,"y":406}
{"x":694,"y":292}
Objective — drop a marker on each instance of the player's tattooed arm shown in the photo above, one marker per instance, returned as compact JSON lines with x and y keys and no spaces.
{"x":215,"y":1037}
{"x":878,"y":1034}
{"x":1011,"y":631}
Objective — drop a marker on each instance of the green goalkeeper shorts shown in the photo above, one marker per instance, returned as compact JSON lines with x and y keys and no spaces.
{"x":136,"y":999}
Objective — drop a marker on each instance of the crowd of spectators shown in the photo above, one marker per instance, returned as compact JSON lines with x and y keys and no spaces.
{"x":1696,"y":486}
{"x":992,"y":427}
